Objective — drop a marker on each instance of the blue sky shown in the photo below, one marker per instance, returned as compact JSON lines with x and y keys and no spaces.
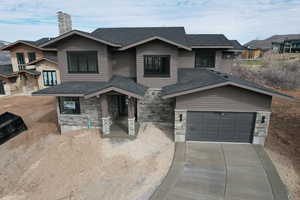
{"x":237,"y":19}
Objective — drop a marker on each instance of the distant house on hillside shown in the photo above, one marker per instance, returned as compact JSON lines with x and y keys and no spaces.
{"x":277,"y":43}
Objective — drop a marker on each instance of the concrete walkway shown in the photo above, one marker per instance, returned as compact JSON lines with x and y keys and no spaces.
{"x":221,"y":171}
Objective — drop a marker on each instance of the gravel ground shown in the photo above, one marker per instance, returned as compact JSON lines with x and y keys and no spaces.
{"x":41,"y":164}
{"x":283,"y":141}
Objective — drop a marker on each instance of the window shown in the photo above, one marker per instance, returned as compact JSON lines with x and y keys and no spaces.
{"x":69,"y":105}
{"x":82,"y":62}
{"x":157,"y":66}
{"x":49,"y":78}
{"x":31,"y":56}
{"x":20,"y":60}
{"x":205,"y":59}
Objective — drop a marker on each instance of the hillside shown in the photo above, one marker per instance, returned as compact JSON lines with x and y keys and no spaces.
{"x":4,"y":56}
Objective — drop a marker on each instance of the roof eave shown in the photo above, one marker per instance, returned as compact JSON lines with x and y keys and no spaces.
{"x":57,"y":94}
{"x":211,"y":47}
{"x":224,"y":84}
{"x":109,"y":89}
{"x":155,"y":38}
{"x":80,"y":34}
{"x":39,"y":60}
{"x":10,"y":46}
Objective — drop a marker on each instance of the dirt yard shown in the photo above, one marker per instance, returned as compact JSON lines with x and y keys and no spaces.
{"x":283,"y":141}
{"x":40,"y":164}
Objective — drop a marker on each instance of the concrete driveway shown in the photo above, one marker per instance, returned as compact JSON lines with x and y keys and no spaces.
{"x":221,"y":171}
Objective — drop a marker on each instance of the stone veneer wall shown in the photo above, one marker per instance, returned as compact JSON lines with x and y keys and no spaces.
{"x":155,"y":109}
{"x":180,"y":125}
{"x":90,"y":116}
{"x":261,"y":129}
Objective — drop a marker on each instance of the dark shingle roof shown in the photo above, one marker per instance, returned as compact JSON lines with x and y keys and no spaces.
{"x":207,"y":40}
{"x":197,"y":78}
{"x":89,"y":87}
{"x":6,"y":69}
{"x":236,"y":45}
{"x":127,"y":36}
{"x":37,"y":42}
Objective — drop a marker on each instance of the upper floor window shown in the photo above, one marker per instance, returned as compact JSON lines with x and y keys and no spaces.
{"x":82,"y":62}
{"x":156,"y":65}
{"x":49,"y":78}
{"x":20,"y":60}
{"x":31,"y":56}
{"x":205,"y":59}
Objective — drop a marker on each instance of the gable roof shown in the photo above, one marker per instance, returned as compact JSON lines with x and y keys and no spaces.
{"x":35,"y":44}
{"x":132,"y":36}
{"x":195,"y":80}
{"x":208,"y":40}
{"x":52,"y":59}
{"x":89,"y":89}
{"x":267,"y":43}
{"x":80,"y":33}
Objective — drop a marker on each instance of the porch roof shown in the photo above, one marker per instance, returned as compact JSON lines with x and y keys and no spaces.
{"x":89,"y":89}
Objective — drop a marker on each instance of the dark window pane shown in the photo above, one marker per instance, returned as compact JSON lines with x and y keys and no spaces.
{"x":69,"y":105}
{"x":157,"y":65}
{"x":20,"y":60}
{"x":205,"y":59}
{"x":82,"y":62}
{"x":31,"y":56}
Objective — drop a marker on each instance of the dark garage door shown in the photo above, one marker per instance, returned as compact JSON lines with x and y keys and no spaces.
{"x":220,"y":126}
{"x":1,"y":88}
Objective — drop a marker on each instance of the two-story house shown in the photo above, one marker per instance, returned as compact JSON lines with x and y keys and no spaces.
{"x":116,"y":78}
{"x":32,"y":67}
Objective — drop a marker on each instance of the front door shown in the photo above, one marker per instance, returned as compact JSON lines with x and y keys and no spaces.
{"x":119,"y":107}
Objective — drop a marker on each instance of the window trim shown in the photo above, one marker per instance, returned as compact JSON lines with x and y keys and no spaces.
{"x":157,"y":75}
{"x":33,"y":53}
{"x":47,"y":71}
{"x":205,"y":53}
{"x":77,"y":103}
{"x":85,"y":52}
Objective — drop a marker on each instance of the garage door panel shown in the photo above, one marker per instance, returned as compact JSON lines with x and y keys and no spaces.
{"x":220,"y":127}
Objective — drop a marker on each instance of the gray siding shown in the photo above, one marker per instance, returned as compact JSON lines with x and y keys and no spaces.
{"x":124,"y":63}
{"x":227,"y":98}
{"x":82,"y":44}
{"x":186,"y":59}
{"x":156,"y":48}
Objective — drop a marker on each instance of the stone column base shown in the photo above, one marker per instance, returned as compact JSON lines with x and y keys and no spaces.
{"x":131,"y":126}
{"x":259,"y":140}
{"x":106,"y":122}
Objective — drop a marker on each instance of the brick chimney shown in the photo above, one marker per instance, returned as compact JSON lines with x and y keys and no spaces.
{"x":64,"y":22}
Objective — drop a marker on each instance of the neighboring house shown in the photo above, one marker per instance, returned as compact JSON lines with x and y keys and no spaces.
{"x":277,"y":43}
{"x":117,"y":78}
{"x":33,"y":67}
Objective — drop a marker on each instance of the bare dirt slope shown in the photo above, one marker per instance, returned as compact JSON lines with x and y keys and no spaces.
{"x":41,"y":164}
{"x":283,"y":141}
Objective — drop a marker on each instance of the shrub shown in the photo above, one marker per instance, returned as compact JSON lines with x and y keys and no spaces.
{"x":274,"y":73}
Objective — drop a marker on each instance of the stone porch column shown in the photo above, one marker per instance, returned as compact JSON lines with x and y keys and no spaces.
{"x":261,"y":127}
{"x":131,"y":116}
{"x":106,"y":122}
{"x":180,"y":125}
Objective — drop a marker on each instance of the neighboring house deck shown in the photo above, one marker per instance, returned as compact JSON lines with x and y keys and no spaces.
{"x":117,"y":78}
